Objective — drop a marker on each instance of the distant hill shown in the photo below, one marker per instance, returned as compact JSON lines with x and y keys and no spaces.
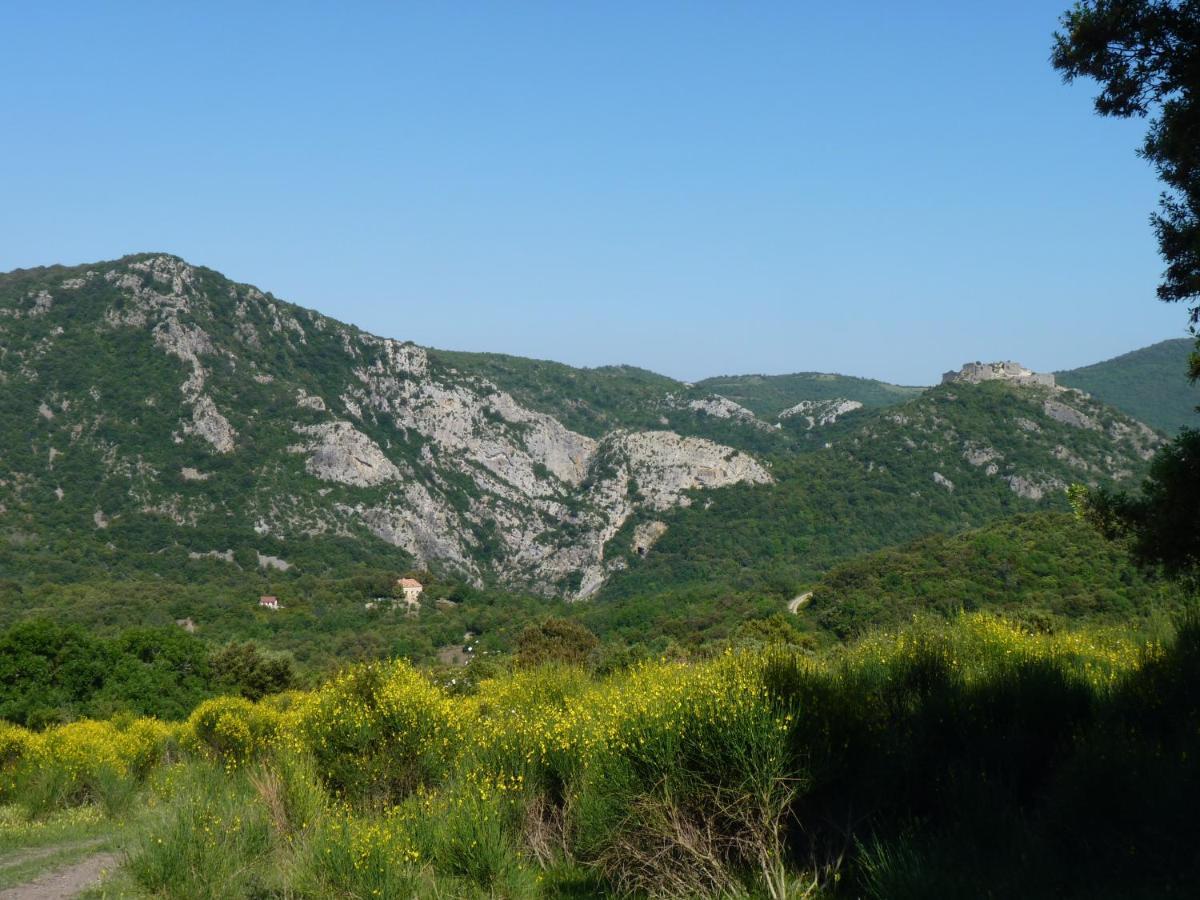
{"x":1040,"y":568}
{"x":955,"y":457}
{"x":769,"y":395}
{"x":1149,"y":384}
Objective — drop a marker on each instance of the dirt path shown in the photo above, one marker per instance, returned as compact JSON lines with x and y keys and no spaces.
{"x":24,"y":856}
{"x":68,"y":881}
{"x":798,"y":601}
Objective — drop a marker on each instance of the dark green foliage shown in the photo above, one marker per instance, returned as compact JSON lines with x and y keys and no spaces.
{"x":324,"y":623}
{"x":1146,"y":56}
{"x":1150,"y":384}
{"x":242,"y":668}
{"x":161,"y":672}
{"x":1044,"y":570}
{"x":776,"y":630}
{"x":1163,"y":521}
{"x":1025,"y":783}
{"x":555,"y":641}
{"x":47,"y":670}
{"x":54,"y":673}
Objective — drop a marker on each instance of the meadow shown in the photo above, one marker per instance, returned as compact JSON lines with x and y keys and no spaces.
{"x":950,"y":758}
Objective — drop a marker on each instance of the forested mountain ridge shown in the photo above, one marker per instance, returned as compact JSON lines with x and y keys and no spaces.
{"x":953,"y":458}
{"x":153,"y":407}
{"x":1150,"y":384}
{"x":157,"y":417}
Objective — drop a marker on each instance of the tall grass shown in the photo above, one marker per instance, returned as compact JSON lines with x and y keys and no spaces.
{"x":960,"y":759}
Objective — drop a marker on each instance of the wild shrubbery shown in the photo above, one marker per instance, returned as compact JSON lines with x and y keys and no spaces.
{"x":926,"y":763}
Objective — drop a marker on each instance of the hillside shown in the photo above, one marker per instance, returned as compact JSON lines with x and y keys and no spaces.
{"x":1043,"y":569}
{"x":954,"y":458}
{"x":159,"y":420}
{"x":769,"y":395}
{"x":590,"y":401}
{"x":1149,"y":384}
{"x":157,"y":416}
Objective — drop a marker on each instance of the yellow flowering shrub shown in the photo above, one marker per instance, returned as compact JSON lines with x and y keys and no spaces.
{"x":230,"y":729}
{"x":377,"y":730}
{"x":16,"y":744}
{"x":981,"y":646}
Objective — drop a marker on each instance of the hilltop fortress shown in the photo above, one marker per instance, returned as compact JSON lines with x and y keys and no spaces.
{"x":974,"y":373}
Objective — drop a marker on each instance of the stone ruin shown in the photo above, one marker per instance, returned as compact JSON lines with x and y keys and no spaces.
{"x":976,"y":372}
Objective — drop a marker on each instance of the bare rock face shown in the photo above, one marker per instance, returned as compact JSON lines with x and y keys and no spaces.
{"x":208,"y":423}
{"x":394,"y":445}
{"x":821,"y":412}
{"x":666,"y":466}
{"x":723,"y":408}
{"x":304,"y":401}
{"x":272,"y":562}
{"x":428,"y":529}
{"x":473,"y":423}
{"x":1032,"y":488}
{"x":1068,"y":415}
{"x":646,"y":535}
{"x":341,"y":453}
{"x":943,"y":481}
{"x":159,"y":298}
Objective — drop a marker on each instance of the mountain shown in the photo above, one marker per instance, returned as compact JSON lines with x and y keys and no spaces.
{"x":1149,"y":384}
{"x":956,"y":457}
{"x":159,"y":419}
{"x":156,"y":410}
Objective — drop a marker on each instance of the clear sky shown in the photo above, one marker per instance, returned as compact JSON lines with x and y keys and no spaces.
{"x":878,"y":188}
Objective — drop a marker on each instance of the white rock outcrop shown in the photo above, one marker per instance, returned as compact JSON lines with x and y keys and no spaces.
{"x":340,"y":452}
{"x":723,"y":408}
{"x":821,"y":412}
{"x":666,"y":466}
{"x":646,"y":535}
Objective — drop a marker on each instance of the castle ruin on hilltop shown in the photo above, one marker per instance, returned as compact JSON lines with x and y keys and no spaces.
{"x":974,"y":373}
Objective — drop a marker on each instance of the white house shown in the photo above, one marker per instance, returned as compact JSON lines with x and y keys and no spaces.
{"x":410,"y":590}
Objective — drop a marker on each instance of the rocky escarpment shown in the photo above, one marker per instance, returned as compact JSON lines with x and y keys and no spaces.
{"x":821,"y":412}
{"x":234,"y":410}
{"x":719,"y":407}
{"x":1040,"y":438}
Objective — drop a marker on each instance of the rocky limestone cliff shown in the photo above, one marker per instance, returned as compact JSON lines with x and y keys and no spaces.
{"x":821,"y":412}
{"x":238,"y":410}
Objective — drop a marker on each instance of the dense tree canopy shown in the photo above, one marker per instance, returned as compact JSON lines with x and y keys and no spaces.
{"x":1146,"y":56}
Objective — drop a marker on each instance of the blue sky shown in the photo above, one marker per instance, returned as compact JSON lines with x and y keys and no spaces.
{"x":879,"y":189}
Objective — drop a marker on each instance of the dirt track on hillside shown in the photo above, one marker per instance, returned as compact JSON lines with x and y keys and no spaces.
{"x":68,"y":881}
